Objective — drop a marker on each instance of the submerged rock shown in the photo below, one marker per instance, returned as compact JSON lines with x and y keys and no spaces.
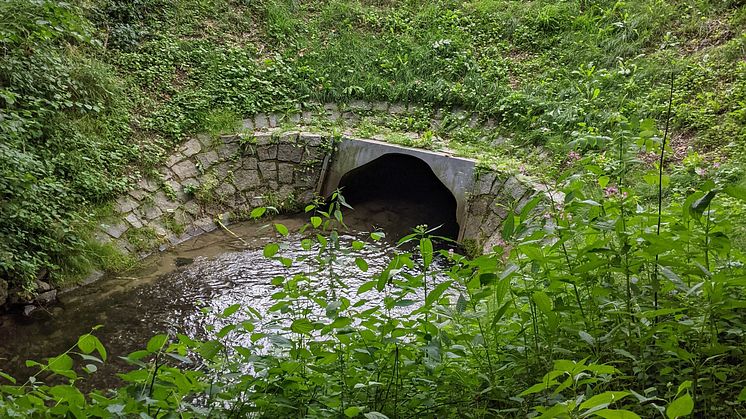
{"x":28,"y":310}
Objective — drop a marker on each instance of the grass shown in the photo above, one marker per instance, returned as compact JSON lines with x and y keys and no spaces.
{"x":116,"y":86}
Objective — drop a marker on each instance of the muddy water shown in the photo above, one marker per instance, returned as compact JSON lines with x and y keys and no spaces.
{"x":166,"y":294}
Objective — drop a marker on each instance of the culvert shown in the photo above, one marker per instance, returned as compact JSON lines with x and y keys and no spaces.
{"x":420,"y":186}
{"x":400,"y":192}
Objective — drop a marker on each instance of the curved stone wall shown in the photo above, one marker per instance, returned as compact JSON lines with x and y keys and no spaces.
{"x":210,"y":180}
{"x":216,"y":179}
{"x":494,"y":196}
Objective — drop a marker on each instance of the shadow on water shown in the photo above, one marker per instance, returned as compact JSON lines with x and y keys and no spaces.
{"x":217,"y":270}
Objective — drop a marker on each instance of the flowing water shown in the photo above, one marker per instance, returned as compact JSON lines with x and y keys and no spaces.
{"x":167,"y":293}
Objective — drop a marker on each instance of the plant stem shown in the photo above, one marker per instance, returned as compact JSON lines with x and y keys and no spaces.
{"x":656,"y":284}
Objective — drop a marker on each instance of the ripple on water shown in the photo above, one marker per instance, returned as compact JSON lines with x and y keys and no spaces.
{"x":168,"y":295}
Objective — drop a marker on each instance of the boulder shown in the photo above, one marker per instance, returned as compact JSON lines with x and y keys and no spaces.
{"x":48,"y":297}
{"x":185,"y":170}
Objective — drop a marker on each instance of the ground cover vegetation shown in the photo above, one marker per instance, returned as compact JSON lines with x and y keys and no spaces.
{"x":96,"y":93}
{"x":602,"y":307}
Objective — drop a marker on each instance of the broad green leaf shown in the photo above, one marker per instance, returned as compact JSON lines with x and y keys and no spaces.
{"x":87,"y":344}
{"x":500,"y":313}
{"x":100,"y":348}
{"x":435,"y":294}
{"x":509,"y":270}
{"x":736,"y":191}
{"x":686,"y":207}
{"x":225,"y":331}
{"x":544,"y":303}
{"x":605,"y":398}
{"x":683,"y":386}
{"x":508,"y":226}
{"x":341,"y":322}
{"x":559,"y":410}
{"x":282,"y":229}
{"x":460,"y":304}
{"x":67,"y":394}
{"x":680,"y":407}
{"x":302,"y":326}
{"x":671,"y":275}
{"x":361,"y":264}
{"x":258,"y":212}
{"x":426,"y":248}
{"x":587,"y":337}
{"x":230,"y":310}
{"x":7,"y":377}
{"x":530,"y":206}
{"x":353,"y":411}
{"x":271,"y":249}
{"x":616,"y":414}
{"x":700,"y":205}
{"x":377,"y":235}
{"x":315,"y":221}
{"x":60,"y":363}
{"x":156,"y":343}
{"x":366,"y":287}
{"x":538,"y":387}
{"x":209,"y":349}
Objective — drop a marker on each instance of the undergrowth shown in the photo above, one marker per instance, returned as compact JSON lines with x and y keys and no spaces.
{"x":594,"y":305}
{"x":95,"y":93}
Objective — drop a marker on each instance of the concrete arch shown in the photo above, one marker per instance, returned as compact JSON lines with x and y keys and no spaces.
{"x":455,"y":173}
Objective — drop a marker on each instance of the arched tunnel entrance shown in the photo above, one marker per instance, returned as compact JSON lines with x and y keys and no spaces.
{"x":397,"y":192}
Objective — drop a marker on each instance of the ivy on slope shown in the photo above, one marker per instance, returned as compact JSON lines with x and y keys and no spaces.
{"x":65,"y":137}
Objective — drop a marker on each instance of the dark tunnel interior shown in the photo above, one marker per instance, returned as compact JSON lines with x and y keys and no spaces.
{"x":397,"y":192}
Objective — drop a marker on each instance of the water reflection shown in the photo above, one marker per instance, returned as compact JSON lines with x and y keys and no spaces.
{"x":214,"y":270}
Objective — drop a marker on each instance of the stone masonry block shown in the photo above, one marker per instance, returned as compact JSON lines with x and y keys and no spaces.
{"x":190,"y":148}
{"x":185,"y":170}
{"x":289,"y":152}
{"x":268,"y":170}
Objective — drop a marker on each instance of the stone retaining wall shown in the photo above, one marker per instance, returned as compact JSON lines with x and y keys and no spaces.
{"x":352,"y":113}
{"x":494,"y":196}
{"x":222,"y":179}
{"x":209,"y":179}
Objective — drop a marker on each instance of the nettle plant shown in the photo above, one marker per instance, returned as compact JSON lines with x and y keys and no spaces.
{"x":596,"y":305}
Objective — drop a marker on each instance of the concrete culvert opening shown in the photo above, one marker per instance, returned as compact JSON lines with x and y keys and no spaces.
{"x":397,"y":192}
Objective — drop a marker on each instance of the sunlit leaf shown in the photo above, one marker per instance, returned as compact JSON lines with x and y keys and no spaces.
{"x":302,"y":326}
{"x":258,"y":212}
{"x":270,"y":250}
{"x":680,"y":407}
{"x":361,"y":264}
{"x":156,"y":343}
{"x":435,"y":294}
{"x":616,"y":414}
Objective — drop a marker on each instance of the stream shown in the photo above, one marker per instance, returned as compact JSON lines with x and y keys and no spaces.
{"x":167,"y":292}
